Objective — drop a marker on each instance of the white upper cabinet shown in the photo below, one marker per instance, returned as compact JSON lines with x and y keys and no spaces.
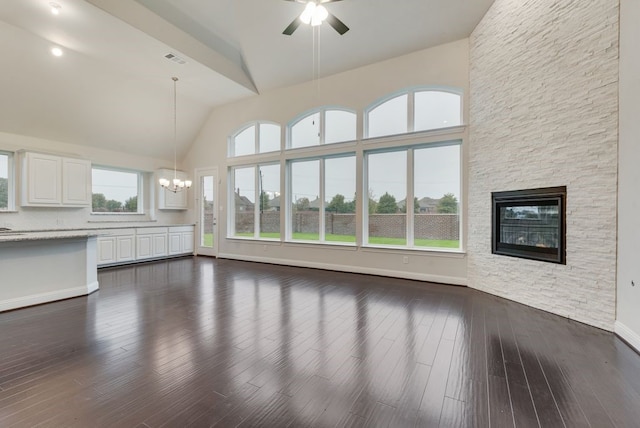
{"x":49,"y":180}
{"x":41,"y":179}
{"x":76,"y":182}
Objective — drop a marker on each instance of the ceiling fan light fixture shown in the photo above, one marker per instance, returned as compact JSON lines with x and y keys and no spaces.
{"x":308,"y":13}
{"x":55,"y":8}
{"x":320,"y":13}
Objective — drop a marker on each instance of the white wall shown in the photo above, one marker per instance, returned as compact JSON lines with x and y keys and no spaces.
{"x":32,"y":218}
{"x":544,"y":90}
{"x":628,"y":317}
{"x":356,"y":89}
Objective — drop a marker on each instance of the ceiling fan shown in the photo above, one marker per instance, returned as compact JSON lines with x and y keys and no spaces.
{"x":315,"y":14}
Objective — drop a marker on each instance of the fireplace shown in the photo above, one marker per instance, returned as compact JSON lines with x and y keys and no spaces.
{"x":530,"y":224}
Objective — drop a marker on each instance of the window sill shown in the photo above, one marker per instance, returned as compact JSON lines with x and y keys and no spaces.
{"x":437,"y":252}
{"x":117,"y":214}
{"x":248,"y":239}
{"x":342,"y":246}
{"x":8,"y":212}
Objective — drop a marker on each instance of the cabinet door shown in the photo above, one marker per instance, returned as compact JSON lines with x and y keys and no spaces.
{"x":144,"y":246}
{"x":175,"y":243}
{"x":187,"y":242}
{"x":160,"y":245}
{"x":125,"y":248}
{"x":106,"y":250}
{"x":177,"y":201}
{"x":43,"y":179}
{"x":76,"y":182}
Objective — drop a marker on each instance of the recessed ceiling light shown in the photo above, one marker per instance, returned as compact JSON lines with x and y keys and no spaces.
{"x":55,"y":8}
{"x":56,"y":51}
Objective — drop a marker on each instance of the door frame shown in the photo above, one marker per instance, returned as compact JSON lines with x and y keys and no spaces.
{"x":199,"y":173}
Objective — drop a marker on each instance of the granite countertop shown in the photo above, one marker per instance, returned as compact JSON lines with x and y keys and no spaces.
{"x":43,"y":234}
{"x":11,"y":236}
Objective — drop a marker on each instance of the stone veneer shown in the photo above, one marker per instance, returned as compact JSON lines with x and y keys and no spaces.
{"x":544,"y":112}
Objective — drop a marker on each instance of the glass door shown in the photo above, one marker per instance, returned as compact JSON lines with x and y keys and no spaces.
{"x":207,"y":229}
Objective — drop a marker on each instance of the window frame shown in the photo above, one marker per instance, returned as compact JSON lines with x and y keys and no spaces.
{"x":11,"y":182}
{"x":321,"y":126}
{"x":410,"y":148}
{"x":288,"y":236}
{"x":231,"y":204}
{"x":140,"y":189}
{"x":256,"y":135}
{"x":410,"y":92}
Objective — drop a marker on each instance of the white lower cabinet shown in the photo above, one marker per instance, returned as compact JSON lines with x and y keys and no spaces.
{"x":126,"y":248}
{"x":106,"y":250}
{"x":129,"y":245}
{"x":151,"y":242}
{"x":181,"y":240}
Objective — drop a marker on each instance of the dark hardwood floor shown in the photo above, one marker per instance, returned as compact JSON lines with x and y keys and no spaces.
{"x":204,"y":342}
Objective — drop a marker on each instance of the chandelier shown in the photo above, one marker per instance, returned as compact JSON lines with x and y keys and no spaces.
{"x":176,"y":185}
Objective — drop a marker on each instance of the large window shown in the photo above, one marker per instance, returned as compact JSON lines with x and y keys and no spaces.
{"x":323,"y":206}
{"x":407,"y":195}
{"x":6,"y":184}
{"x":325,"y":126}
{"x":412,"y":111}
{"x":417,"y":206}
{"x":258,"y":137}
{"x":116,"y":191}
{"x":255,"y":202}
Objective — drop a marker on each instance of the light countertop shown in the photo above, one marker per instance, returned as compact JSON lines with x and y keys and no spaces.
{"x":46,"y":235}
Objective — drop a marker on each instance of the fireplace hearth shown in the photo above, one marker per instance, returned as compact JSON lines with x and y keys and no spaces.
{"x":530,"y":224}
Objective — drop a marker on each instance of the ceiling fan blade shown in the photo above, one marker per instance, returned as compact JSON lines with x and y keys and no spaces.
{"x":337,"y":24}
{"x":292,"y":27}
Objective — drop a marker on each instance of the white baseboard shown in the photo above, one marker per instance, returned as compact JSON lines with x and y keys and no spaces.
{"x":37,"y":299}
{"x":352,"y":269}
{"x":94,"y":286}
{"x":630,"y":336}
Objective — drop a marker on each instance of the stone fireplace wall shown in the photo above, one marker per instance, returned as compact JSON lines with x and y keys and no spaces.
{"x":544,"y":112}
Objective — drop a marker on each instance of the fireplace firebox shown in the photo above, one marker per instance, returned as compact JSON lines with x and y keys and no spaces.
{"x":530,"y":224}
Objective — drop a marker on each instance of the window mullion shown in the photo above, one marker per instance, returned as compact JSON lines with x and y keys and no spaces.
{"x":321,"y":216}
{"x":410,"y":111}
{"x":321,"y":131}
{"x":409,"y":208}
{"x":258,"y":198}
{"x":256,"y":146}
{"x":288,"y":202}
{"x":364,"y":205}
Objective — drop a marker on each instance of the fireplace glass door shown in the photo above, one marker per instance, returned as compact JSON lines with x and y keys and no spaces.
{"x":530,"y":224}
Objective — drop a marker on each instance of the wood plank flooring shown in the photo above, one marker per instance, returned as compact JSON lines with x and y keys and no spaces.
{"x":203,"y":342}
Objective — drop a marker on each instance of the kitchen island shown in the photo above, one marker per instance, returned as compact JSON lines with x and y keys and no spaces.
{"x":41,"y":267}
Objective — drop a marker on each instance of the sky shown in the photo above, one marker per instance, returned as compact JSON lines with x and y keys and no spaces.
{"x":117,"y":185}
{"x":3,"y":166}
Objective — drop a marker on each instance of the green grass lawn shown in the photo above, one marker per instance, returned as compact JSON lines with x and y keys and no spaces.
{"x":374,"y":240}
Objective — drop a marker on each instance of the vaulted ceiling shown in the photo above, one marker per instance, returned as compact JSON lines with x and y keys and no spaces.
{"x":112,"y":87}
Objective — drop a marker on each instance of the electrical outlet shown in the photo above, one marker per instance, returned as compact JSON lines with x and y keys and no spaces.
{"x":405,"y":260}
